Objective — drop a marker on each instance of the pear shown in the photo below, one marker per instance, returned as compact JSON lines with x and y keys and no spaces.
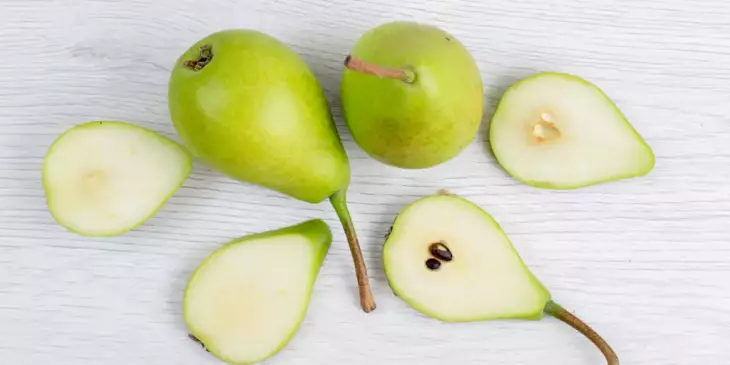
{"x":105,"y":178}
{"x":250,"y":107}
{"x":411,"y":95}
{"x":450,"y":260}
{"x":246,"y":301}
{"x":559,"y":131}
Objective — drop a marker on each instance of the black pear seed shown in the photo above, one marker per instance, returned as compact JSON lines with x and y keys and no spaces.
{"x":433,"y":264}
{"x":441,"y":252}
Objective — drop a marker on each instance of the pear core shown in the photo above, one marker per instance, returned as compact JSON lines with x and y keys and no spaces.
{"x":545,"y":129}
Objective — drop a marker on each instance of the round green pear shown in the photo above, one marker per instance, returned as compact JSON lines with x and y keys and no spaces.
{"x":412,"y":95}
{"x":247,"y":105}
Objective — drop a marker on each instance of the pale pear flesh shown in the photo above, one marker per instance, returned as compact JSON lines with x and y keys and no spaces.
{"x":105,"y":178}
{"x":450,"y":260}
{"x":486,"y":278}
{"x":559,"y":131}
{"x":246,"y":301}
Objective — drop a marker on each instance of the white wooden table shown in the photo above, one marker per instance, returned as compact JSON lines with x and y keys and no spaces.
{"x":645,"y":261}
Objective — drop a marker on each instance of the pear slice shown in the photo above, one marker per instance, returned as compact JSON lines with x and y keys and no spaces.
{"x":450,"y":260}
{"x":559,"y":131}
{"x":105,"y":178}
{"x":246,"y":300}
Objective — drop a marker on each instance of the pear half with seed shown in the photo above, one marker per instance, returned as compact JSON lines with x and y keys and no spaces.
{"x":246,"y":301}
{"x":559,"y":131}
{"x":450,"y":260}
{"x":105,"y":178}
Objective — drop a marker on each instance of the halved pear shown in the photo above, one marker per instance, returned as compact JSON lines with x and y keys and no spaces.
{"x":450,"y":260}
{"x":559,"y":131}
{"x":105,"y":178}
{"x":246,"y":301}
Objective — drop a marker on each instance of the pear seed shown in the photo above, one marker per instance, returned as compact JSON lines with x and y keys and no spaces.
{"x":441,"y":252}
{"x":433,"y":264}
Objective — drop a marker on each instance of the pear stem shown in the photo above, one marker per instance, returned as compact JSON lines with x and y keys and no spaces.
{"x":339,"y":202}
{"x":355,"y":64}
{"x":204,"y":58}
{"x":555,"y":310}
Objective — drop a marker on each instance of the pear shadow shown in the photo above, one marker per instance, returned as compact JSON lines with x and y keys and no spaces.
{"x":324,"y":55}
{"x":176,"y":290}
{"x":377,"y":235}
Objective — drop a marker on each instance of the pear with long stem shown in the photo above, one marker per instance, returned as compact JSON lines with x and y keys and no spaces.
{"x":449,"y":259}
{"x":250,"y":107}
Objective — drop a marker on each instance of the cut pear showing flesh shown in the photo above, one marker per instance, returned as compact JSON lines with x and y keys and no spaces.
{"x":450,"y":260}
{"x":485,"y":278}
{"x":246,"y":301}
{"x":105,"y":178}
{"x":559,"y":131}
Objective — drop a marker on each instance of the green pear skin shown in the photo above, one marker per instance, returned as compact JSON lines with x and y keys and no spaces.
{"x":247,"y":105}
{"x":412,"y":95}
{"x":247,"y":300}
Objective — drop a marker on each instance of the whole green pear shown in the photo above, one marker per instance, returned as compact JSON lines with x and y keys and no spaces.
{"x":247,"y":105}
{"x":411,"y":94}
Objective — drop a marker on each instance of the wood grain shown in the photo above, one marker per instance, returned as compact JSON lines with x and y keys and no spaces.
{"x":646,"y":261}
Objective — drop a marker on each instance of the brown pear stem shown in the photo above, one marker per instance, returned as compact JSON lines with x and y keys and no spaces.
{"x":204,"y":57}
{"x":339,"y":202}
{"x":355,"y":64}
{"x":555,"y":310}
